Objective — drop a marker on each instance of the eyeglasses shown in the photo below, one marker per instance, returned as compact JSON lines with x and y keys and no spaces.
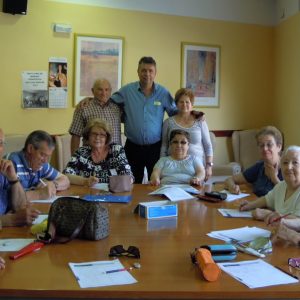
{"x":95,"y":135}
{"x":179,"y":142}
{"x":2,"y":143}
{"x":119,"y":250}
{"x":268,"y":145}
{"x":294,"y":262}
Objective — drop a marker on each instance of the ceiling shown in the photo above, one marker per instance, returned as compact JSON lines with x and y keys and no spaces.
{"x":262,"y":12}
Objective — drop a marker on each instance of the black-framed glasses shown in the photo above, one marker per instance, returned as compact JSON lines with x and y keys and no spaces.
{"x":119,"y":250}
{"x":294,"y":262}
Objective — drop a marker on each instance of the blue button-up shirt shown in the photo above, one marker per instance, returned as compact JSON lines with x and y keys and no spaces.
{"x":143,"y":116}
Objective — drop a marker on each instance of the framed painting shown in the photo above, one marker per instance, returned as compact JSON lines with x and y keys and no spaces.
{"x":200,"y":72}
{"x":96,"y":57}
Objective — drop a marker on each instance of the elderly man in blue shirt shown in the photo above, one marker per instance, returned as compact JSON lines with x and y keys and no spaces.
{"x":37,"y":176}
{"x":14,"y":210}
{"x":144,"y":104}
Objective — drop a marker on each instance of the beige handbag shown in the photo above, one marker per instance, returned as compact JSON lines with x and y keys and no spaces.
{"x":120,"y":183}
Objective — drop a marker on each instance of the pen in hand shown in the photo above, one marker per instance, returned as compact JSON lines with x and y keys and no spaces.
{"x":42,"y":182}
{"x":279,"y":218}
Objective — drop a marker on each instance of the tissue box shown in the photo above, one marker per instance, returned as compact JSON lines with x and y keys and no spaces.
{"x":158,"y":209}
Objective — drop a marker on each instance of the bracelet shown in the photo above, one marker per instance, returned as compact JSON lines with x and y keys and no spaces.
{"x":13,"y":181}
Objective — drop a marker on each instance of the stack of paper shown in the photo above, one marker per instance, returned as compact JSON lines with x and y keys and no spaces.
{"x":242,"y":235}
{"x":173,"y":193}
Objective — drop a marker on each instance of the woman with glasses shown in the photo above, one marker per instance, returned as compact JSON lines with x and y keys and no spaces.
{"x":179,"y":167}
{"x":266,"y":173}
{"x":200,"y":143}
{"x":99,"y":160}
{"x":283,"y":201}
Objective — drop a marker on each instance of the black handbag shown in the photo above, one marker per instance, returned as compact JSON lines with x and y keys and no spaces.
{"x":77,"y":218}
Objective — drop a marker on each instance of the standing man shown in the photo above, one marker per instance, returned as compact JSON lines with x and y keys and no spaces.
{"x":37,"y":176}
{"x":144,"y":103}
{"x":14,"y":211}
{"x":98,"y":107}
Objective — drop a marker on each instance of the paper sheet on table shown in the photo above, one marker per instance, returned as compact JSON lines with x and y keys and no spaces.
{"x":256,"y":273}
{"x":234,"y":213}
{"x":216,"y":179}
{"x":243,"y":234}
{"x":186,"y":187}
{"x":50,"y":200}
{"x":40,"y":219}
{"x":232,"y":197}
{"x":101,"y":186}
{"x":173,"y":193}
{"x":101,"y":273}
{"x":14,"y":244}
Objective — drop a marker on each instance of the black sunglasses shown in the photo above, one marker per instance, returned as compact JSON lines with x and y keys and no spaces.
{"x":119,"y":250}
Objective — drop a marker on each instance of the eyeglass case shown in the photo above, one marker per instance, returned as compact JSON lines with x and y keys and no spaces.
{"x":223,"y":252}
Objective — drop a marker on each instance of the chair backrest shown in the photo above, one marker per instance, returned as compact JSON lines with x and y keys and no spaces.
{"x":245,"y":149}
{"x":63,"y":148}
{"x":14,"y":142}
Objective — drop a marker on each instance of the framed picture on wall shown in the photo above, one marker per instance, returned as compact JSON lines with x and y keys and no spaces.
{"x":200,"y":72}
{"x":96,"y":57}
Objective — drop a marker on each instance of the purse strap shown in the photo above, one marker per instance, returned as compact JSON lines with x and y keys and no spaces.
{"x":61,"y":239}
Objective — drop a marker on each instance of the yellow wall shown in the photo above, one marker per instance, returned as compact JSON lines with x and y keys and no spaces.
{"x":287,"y":81}
{"x":27,"y":42}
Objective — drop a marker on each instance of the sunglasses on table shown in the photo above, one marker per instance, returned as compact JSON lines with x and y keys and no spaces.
{"x":119,"y":250}
{"x":294,"y":262}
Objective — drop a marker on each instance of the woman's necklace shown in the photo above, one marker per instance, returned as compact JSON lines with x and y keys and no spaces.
{"x":185,"y":121}
{"x":99,"y":155}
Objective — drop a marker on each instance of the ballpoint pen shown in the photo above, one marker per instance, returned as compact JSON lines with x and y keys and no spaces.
{"x":42,"y":182}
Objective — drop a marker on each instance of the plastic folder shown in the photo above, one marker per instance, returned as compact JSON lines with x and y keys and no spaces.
{"x":108,"y":198}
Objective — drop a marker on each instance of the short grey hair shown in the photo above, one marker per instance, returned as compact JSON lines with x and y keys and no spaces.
{"x":36,"y":137}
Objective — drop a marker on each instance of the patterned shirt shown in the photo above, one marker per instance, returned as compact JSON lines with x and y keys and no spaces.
{"x":82,"y":164}
{"x":26,"y":175}
{"x":109,"y":112}
{"x":4,"y":187}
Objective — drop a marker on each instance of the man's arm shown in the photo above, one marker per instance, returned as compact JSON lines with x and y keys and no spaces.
{"x":75,"y":142}
{"x":18,"y":197}
{"x":61,"y":182}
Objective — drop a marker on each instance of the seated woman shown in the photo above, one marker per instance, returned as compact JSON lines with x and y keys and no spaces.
{"x":179,"y":167}
{"x":200,"y":143}
{"x":284,"y":198}
{"x":99,"y":160}
{"x":265,"y":174}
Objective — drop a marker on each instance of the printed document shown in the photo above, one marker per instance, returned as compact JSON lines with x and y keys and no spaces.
{"x":101,"y":273}
{"x":14,"y":244}
{"x":234,"y":213}
{"x":173,"y":193}
{"x":256,"y":273}
{"x":232,"y":197}
{"x":50,"y":200}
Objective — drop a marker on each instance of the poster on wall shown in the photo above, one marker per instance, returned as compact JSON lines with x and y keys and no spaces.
{"x":34,"y":89}
{"x":58,"y":82}
{"x":96,"y":57}
{"x":200,"y":72}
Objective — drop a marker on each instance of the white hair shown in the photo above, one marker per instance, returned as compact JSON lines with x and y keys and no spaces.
{"x":292,"y":148}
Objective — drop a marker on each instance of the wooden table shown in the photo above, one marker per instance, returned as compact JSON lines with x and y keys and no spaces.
{"x":165,"y":246}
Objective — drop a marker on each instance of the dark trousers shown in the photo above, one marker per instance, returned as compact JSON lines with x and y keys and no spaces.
{"x":141,"y":156}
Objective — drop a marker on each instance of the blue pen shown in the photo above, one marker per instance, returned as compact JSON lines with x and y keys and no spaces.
{"x":116,"y":270}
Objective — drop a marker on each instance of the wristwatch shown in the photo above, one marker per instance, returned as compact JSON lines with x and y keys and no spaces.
{"x":210,"y":164}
